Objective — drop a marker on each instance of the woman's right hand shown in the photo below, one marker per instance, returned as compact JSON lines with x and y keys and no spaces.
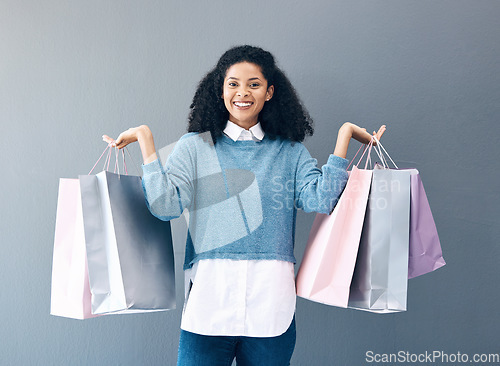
{"x":142,"y":134}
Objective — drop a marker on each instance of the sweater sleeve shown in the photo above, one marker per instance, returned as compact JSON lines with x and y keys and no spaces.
{"x":168,"y":189}
{"x":318,"y":190}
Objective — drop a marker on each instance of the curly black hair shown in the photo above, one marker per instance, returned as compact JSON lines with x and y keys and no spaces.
{"x":283,"y":116}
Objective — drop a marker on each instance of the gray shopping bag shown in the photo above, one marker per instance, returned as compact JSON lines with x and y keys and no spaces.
{"x":129,"y":251}
{"x":380,"y":276}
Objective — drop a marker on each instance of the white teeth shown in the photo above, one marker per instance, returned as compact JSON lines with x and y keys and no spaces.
{"x":240,"y":104}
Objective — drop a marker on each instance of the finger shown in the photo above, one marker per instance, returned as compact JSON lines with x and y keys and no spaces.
{"x":370,"y":138}
{"x":107,"y":139}
{"x":381,"y":131}
{"x":120,"y":143}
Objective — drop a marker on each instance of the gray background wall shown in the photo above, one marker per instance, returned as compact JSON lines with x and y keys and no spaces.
{"x":73,"y":70}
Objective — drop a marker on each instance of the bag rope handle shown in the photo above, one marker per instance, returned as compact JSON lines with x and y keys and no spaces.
{"x":108,"y":160}
{"x":386,"y":153}
{"x":368,"y":158}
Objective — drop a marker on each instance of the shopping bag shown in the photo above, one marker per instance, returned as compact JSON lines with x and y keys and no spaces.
{"x":380,"y":279}
{"x":70,"y":292}
{"x":425,"y":249}
{"x":129,"y":251}
{"x":326,"y":269}
{"x":425,"y":254}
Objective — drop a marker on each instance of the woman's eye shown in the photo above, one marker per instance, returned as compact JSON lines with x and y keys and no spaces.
{"x":254,"y":85}
{"x":232,"y":84}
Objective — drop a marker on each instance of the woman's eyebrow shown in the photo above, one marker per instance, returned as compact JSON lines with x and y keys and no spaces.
{"x":233,"y":78}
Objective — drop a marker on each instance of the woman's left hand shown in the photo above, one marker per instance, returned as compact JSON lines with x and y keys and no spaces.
{"x":361,"y":135}
{"x":350,"y":130}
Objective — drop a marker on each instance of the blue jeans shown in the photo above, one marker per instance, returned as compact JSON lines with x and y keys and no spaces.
{"x":202,"y":350}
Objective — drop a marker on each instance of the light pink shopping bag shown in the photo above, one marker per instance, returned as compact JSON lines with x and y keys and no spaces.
{"x":70,"y":295}
{"x":326,"y":270}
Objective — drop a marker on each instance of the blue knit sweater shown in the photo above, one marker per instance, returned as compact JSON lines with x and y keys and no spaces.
{"x":242,"y":197}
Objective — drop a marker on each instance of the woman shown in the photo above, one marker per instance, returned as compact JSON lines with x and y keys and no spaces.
{"x":241,"y":172}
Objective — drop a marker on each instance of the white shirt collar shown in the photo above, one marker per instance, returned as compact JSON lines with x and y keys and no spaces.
{"x":234,"y":131}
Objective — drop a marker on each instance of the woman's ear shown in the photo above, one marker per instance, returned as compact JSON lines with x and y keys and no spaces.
{"x":270,"y":92}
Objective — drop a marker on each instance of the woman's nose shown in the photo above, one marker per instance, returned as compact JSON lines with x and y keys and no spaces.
{"x":242,"y":92}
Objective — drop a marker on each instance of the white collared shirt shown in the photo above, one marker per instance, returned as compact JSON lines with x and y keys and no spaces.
{"x":235,"y":132}
{"x":253,"y":298}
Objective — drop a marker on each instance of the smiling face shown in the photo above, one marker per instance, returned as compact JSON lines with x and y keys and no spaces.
{"x":245,"y":92}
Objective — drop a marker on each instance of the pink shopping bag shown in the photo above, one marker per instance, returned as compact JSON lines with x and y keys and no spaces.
{"x":70,"y":296}
{"x":326,"y":270}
